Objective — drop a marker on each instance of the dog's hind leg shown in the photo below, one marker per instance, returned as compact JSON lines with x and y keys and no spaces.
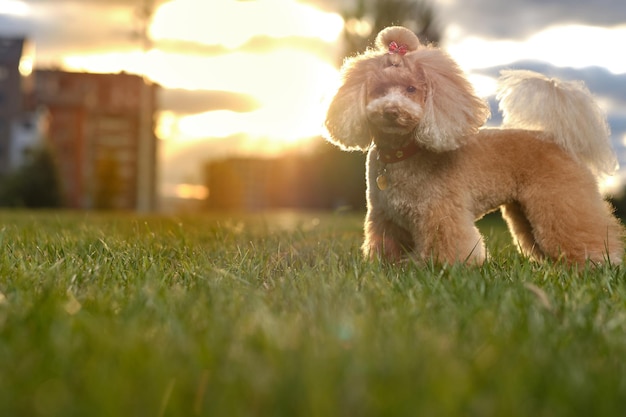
{"x":577,"y":225}
{"x":521,"y":230}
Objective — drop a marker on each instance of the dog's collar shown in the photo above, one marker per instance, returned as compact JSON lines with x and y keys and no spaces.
{"x":390,"y":156}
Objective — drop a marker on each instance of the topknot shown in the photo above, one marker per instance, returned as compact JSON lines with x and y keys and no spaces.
{"x":398,"y":34}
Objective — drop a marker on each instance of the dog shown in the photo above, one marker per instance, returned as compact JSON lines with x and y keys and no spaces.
{"x":433,"y":169}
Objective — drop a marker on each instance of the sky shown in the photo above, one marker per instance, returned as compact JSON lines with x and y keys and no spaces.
{"x":251,"y":77}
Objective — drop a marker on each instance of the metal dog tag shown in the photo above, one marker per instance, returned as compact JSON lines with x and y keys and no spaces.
{"x":381,"y":182}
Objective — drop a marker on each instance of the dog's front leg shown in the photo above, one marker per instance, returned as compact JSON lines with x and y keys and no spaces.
{"x":384,"y":239}
{"x":449,"y":236}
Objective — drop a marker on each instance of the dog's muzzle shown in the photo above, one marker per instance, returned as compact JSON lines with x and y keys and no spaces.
{"x":394,"y":113}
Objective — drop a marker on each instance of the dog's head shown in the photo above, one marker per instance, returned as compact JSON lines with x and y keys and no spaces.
{"x":402,"y":89}
{"x":395,"y":102}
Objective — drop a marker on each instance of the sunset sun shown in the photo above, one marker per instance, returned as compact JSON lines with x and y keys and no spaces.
{"x":288,"y":84}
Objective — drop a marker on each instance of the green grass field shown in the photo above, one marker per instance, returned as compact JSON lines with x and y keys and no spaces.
{"x":278,"y":315}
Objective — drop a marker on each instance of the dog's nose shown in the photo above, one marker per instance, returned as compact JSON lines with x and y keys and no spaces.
{"x":390,"y":113}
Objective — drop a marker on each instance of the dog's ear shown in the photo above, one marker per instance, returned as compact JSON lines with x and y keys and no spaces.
{"x":346,"y":120}
{"x":452,"y":111}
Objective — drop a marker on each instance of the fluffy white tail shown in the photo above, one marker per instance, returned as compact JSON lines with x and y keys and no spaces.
{"x":566,"y":110}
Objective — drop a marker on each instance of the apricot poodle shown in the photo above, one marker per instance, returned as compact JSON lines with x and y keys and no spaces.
{"x":432,"y":171}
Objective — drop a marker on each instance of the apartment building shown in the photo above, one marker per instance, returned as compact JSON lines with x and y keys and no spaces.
{"x":101,"y":130}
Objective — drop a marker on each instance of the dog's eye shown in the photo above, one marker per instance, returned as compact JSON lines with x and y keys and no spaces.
{"x":411,"y":89}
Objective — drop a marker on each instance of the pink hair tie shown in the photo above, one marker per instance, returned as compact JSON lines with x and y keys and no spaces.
{"x":394,"y":48}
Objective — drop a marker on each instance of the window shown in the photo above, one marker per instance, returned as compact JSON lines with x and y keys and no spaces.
{"x":27,"y":123}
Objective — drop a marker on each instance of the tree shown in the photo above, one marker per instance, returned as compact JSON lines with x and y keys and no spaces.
{"x":35,"y":184}
{"x":371,"y":16}
{"x":108,"y":181}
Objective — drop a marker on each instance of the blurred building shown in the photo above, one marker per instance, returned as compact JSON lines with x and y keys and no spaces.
{"x":28,"y":133}
{"x":97,"y":123}
{"x":327,"y":180}
{"x":15,"y":84}
{"x":100,"y":128}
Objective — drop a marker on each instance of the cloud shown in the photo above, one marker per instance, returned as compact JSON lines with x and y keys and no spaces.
{"x":601,"y":82}
{"x":511,"y":19}
{"x":566,"y":46}
{"x":256,"y":45}
{"x":517,"y":19}
{"x":61,"y":27}
{"x":183,"y":101}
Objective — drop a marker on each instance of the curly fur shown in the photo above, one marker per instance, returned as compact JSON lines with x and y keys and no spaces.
{"x":540,"y":168}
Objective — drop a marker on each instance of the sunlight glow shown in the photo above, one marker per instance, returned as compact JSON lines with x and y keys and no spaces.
{"x":484,"y":86}
{"x":26,"y":66}
{"x":361,"y":27}
{"x":108,"y":62}
{"x":289,"y":84}
{"x":193,"y":191}
{"x":27,"y":60}
{"x":14,"y":7}
{"x":185,"y":191}
{"x":167,"y":124}
{"x":291,"y":97}
{"x":233,"y":23}
{"x":612,"y":185}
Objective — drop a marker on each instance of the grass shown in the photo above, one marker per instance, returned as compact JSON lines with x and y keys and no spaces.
{"x":278,"y":315}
